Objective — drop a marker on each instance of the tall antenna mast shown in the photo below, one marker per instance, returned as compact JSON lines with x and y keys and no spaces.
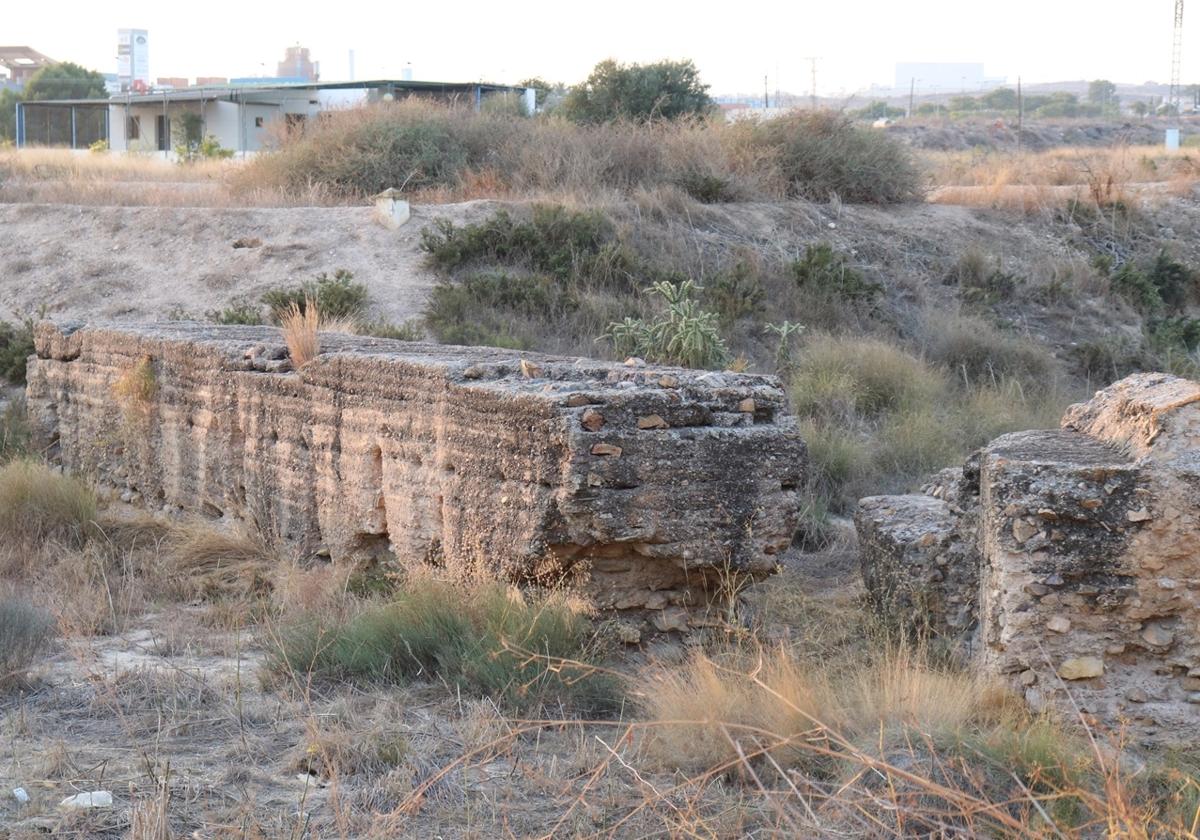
{"x":1176,"y":57}
{"x":813,"y":92}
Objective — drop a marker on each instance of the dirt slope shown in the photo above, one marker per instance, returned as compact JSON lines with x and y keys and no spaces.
{"x":139,"y":263}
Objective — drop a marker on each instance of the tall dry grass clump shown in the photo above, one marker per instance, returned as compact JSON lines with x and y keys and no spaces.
{"x":301,"y":332}
{"x":38,"y":505}
{"x":25,"y":631}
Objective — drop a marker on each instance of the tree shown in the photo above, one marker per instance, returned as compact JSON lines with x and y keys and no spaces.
{"x":1140,"y":108}
{"x":8,"y":116}
{"x":642,"y":92}
{"x":542,"y":87}
{"x":879,"y":110}
{"x":1000,"y":99}
{"x":1103,"y":93}
{"x":963,"y":103}
{"x":65,"y":81}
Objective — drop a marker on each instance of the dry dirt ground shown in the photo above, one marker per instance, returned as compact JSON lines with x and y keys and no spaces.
{"x":138,"y":263}
{"x":178,"y":719}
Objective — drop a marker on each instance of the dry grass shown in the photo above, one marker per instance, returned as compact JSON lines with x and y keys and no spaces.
{"x":1034,"y":181}
{"x":137,"y":386}
{"x":301,"y":332}
{"x":209,"y":564}
{"x":38,"y":505}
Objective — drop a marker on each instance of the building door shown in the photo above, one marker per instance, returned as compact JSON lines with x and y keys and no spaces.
{"x":162,"y":129}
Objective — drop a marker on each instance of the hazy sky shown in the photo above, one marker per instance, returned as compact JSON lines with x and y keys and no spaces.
{"x":733,"y":43}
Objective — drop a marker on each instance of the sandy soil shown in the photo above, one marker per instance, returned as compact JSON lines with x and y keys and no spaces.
{"x":139,"y":263}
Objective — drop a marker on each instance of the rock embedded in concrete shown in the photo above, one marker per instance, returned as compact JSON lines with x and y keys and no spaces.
{"x":481,"y":460}
{"x":1085,"y":544}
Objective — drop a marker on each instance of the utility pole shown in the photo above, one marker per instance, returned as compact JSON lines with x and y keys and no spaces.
{"x":812,"y":60}
{"x":766,"y":98}
{"x":912,"y":89}
{"x":1020,"y":114}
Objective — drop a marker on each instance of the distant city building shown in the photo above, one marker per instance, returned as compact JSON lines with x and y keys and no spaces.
{"x":944,"y":77}
{"x":297,"y":64}
{"x":133,"y":59}
{"x":21,"y":63}
{"x":211,"y":81}
{"x":171,"y":82}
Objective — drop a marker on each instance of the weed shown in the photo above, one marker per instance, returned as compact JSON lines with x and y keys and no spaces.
{"x":15,"y":432}
{"x":736,"y":294}
{"x":825,"y":270}
{"x":408,"y":331}
{"x":338,"y":297}
{"x":137,"y":385}
{"x":209,"y":564}
{"x":38,"y":504}
{"x":683,"y":334}
{"x":301,"y":326}
{"x":527,"y":651}
{"x":16,"y":346}
{"x":25,"y":631}
{"x":239,"y":312}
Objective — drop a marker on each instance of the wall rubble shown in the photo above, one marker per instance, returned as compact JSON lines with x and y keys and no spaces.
{"x":1083,"y":558}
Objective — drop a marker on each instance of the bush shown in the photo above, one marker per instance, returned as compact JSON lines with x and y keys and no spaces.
{"x":562,"y":243}
{"x":976,"y":352}
{"x":38,"y":504}
{"x":683,"y":334}
{"x":824,"y":154}
{"x":337,"y":297}
{"x":25,"y":631}
{"x":641,"y":92}
{"x":526,"y":651}
{"x":15,"y":432}
{"x":237,"y":313}
{"x":16,"y":346}
{"x":824,"y":270}
{"x":736,"y":294}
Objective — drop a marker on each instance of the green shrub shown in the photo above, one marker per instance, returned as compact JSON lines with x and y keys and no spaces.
{"x":1175,"y":282}
{"x":642,"y":92}
{"x":408,"y":331}
{"x":975,"y":351}
{"x":25,"y":631}
{"x":527,"y":652}
{"x":839,"y":377}
{"x":16,"y":346}
{"x":1174,"y":334}
{"x":824,"y":154}
{"x":824,"y":270}
{"x":38,"y":504}
{"x":562,"y":243}
{"x":14,"y":431}
{"x":682,"y":334}
{"x":706,"y":187}
{"x":237,"y":313}
{"x":337,"y":297}
{"x":736,"y":294}
{"x":1109,"y":358}
{"x":1131,"y":283}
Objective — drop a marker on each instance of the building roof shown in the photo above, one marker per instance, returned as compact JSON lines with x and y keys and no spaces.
{"x":23,"y":58}
{"x":192,"y":94}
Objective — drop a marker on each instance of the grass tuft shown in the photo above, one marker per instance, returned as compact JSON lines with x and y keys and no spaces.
{"x":526,"y":651}
{"x":38,"y":504}
{"x":25,"y":631}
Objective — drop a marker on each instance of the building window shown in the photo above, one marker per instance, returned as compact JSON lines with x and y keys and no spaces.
{"x":133,"y":128}
{"x":258,"y":122}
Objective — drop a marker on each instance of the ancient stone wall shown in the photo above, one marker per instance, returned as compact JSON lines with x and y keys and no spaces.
{"x":653,"y":481}
{"x":1087,"y":540}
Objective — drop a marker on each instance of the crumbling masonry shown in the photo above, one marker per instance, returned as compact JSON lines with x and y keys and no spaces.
{"x":648,"y":484}
{"x":1066,"y":561}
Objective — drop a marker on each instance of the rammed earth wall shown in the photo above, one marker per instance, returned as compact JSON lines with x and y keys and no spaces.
{"x":646,"y":483}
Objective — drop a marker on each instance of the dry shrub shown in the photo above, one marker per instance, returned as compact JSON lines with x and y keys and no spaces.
{"x":137,"y":386}
{"x":208,"y":564}
{"x":91,"y":591}
{"x":440,"y":153}
{"x":321,"y":589}
{"x":301,"y":329}
{"x":25,"y":631}
{"x":38,"y":504}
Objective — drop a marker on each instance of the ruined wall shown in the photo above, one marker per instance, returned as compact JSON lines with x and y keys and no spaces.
{"x":652,"y":480}
{"x":1088,"y":545}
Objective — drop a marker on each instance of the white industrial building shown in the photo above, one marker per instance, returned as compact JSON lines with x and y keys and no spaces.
{"x":241,"y":118}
